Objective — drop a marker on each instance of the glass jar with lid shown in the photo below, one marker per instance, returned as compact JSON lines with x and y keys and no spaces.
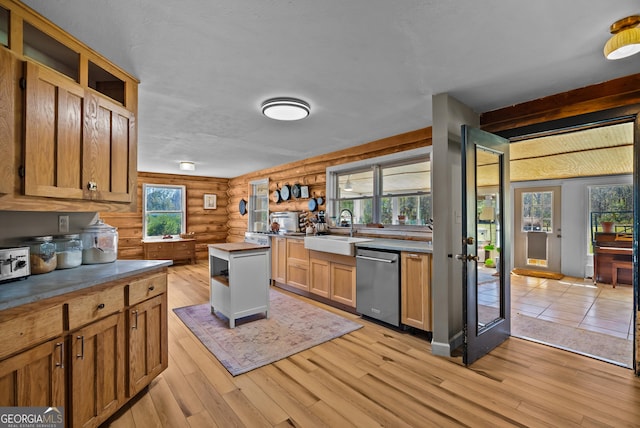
{"x":99,"y":243}
{"x":68,"y":251}
{"x":42,"y":254}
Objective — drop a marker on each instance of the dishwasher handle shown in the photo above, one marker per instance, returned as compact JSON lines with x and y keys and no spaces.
{"x":375,"y":259}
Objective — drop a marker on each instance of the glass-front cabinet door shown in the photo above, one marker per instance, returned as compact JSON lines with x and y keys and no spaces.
{"x":258,"y":206}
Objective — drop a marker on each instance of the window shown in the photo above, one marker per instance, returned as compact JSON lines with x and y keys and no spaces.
{"x":391,"y":190}
{"x":164,"y":210}
{"x":610,"y":203}
{"x":537,"y":211}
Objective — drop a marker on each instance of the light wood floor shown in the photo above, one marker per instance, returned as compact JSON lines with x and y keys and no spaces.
{"x":378,"y":377}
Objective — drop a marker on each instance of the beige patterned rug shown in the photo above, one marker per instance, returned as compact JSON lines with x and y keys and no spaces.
{"x":292,"y":326}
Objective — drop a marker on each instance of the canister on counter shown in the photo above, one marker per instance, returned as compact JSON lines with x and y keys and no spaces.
{"x":99,"y":243}
{"x":42,"y":254}
{"x":68,"y":251}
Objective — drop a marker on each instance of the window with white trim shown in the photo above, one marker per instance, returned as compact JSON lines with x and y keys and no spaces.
{"x":164,"y":210}
{"x":390,"y":190}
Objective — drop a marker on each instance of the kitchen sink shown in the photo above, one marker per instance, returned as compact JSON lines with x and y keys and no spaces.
{"x":336,"y":244}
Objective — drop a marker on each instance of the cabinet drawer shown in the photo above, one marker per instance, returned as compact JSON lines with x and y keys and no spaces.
{"x":30,"y":329}
{"x":147,"y":287}
{"x":183,"y":246}
{"x":85,"y":309}
{"x":160,"y":255}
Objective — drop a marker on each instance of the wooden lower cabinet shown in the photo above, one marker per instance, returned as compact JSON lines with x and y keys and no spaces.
{"x":297,"y":264}
{"x":415,"y":290}
{"x":98,"y":361}
{"x":35,"y":377}
{"x":148,"y":348}
{"x":343,"y":284}
{"x":97,"y":371}
{"x":279,"y":259}
{"x":333,"y":276}
{"x":320,"y":277}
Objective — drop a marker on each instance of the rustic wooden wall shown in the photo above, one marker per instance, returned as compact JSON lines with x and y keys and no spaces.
{"x":311,"y":172}
{"x":210,"y":226}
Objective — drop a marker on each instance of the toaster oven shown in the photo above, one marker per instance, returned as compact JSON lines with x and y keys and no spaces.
{"x":14,"y":263}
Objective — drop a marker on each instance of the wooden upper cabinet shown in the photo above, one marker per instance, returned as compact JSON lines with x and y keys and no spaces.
{"x":53,"y":134}
{"x":78,"y":145}
{"x":109,"y":167}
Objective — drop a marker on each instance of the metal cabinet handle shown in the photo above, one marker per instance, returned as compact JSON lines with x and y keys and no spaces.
{"x":61,"y":363}
{"x":374,"y":259}
{"x":151,"y":288}
{"x":135,"y":326}
{"x":92,"y":186}
{"x":101,"y":306}
{"x":81,"y":354}
{"x":413,"y":256}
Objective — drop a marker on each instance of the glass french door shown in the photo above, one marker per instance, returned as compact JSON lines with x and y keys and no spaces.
{"x":486,"y":299}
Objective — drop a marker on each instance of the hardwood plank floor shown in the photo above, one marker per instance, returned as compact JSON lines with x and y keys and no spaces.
{"x":377,"y":377}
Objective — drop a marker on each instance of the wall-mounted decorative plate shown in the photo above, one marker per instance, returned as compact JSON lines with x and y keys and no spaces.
{"x":242,"y":207}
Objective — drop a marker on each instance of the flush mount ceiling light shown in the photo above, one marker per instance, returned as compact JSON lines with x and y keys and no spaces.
{"x":187,"y":166}
{"x":625,"y":40}
{"x":285,"y":109}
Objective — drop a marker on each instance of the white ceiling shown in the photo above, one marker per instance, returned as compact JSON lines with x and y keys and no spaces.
{"x":368,"y":68}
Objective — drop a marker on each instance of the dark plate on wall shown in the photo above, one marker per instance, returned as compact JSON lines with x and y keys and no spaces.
{"x":242,"y":207}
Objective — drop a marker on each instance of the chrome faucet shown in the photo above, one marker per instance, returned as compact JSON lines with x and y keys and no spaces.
{"x":350,"y":219}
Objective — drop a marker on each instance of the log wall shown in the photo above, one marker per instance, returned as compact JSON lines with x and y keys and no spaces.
{"x":311,"y":172}
{"x":209,"y":226}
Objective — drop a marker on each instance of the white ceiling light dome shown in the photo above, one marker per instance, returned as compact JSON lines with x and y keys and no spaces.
{"x":285,"y":109}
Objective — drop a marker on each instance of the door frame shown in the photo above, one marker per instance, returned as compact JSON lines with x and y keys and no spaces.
{"x":630,"y":113}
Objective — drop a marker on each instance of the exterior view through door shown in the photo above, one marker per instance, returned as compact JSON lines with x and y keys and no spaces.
{"x":537,"y":229}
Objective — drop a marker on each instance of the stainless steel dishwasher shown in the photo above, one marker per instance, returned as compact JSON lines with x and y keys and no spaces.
{"x":378,"y":285}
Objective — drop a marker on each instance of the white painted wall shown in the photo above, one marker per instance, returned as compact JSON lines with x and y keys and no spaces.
{"x":575,"y":219}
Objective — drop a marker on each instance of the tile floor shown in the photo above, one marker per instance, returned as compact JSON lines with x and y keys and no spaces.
{"x":574,"y":302}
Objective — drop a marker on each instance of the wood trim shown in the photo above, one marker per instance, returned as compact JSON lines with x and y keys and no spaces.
{"x":615,"y":93}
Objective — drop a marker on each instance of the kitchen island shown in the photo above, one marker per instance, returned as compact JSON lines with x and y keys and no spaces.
{"x":240,"y":275}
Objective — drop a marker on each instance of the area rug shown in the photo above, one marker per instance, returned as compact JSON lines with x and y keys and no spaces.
{"x":292,"y":326}
{"x":591,"y":343}
{"x":537,"y":273}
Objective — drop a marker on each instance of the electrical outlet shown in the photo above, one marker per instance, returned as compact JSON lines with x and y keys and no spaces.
{"x":63,"y":224}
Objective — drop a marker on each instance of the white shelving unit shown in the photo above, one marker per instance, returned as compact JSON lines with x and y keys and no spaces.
{"x":239,"y":279}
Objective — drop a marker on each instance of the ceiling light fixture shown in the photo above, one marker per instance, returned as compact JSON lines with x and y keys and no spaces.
{"x":347,"y":185}
{"x":285,"y":109}
{"x":625,"y":40}
{"x":187,"y":166}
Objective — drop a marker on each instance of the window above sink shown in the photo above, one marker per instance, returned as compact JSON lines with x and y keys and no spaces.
{"x":392,"y":190}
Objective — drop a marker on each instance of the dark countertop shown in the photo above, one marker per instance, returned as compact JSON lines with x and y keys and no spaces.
{"x":397,"y":245}
{"x":58,"y":282}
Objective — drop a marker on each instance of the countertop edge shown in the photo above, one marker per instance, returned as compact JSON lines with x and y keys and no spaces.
{"x":60,"y":282}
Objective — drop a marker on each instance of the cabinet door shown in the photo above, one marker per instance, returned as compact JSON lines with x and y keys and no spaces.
{"x":319,"y":277}
{"x":343,"y":284}
{"x":97,"y":357}
{"x":416,"y":290}
{"x":109,"y":166}
{"x":279,"y":261}
{"x":35,"y":377}
{"x":297,"y":264}
{"x":148,"y":351}
{"x":53,"y":134}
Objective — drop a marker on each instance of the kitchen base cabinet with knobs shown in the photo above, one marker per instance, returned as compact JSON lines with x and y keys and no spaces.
{"x":86,"y":339}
